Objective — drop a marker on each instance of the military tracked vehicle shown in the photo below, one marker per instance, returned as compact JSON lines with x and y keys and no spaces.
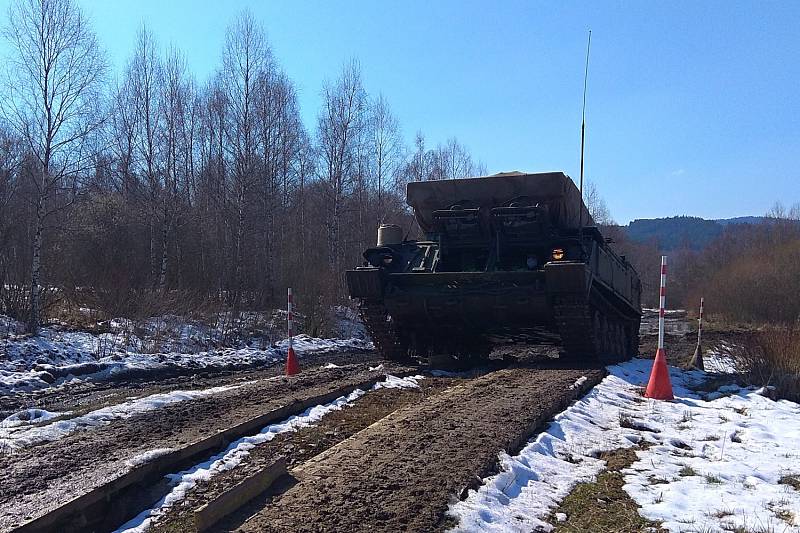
{"x":507,"y":258}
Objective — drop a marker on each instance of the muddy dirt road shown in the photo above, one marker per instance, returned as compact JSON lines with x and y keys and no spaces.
{"x":400,"y":473}
{"x":89,"y":394}
{"x":39,"y":478}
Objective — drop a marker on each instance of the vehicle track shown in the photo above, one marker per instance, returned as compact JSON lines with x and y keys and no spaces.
{"x":297,"y":447}
{"x":399,"y":473}
{"x":39,"y":479}
{"x":91,"y":393}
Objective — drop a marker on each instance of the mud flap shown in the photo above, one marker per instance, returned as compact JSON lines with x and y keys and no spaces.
{"x":570,"y":278}
{"x":365,"y":283}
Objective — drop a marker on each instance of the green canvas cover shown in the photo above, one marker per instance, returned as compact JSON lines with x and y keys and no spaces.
{"x":556,"y":190}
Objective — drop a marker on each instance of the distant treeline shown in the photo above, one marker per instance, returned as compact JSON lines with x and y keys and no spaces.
{"x":158,"y":192}
{"x":749,"y":272}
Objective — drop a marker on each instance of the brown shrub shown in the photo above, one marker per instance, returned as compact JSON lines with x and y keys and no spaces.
{"x":771,"y":358}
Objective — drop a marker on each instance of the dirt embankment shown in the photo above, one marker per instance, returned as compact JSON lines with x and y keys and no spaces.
{"x":400,"y":473}
{"x":38,"y":479}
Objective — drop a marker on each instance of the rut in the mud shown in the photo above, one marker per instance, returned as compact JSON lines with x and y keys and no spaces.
{"x":41,"y":478}
{"x":400,"y":473}
{"x":300,"y":446}
{"x":81,"y":395}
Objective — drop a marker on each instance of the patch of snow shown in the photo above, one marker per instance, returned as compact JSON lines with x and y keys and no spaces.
{"x":331,"y":365}
{"x":28,"y":417}
{"x":146,"y":457}
{"x":348,"y":323}
{"x":578,"y":382}
{"x":19,"y":437}
{"x":55,"y":358}
{"x":9,"y":326}
{"x":393,"y":382}
{"x":720,"y":359}
{"x":376,"y":368}
{"x":234,"y":454}
{"x":711,"y":465}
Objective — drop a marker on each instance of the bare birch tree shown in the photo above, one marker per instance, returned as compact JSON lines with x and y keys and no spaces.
{"x":51,"y":100}
{"x":245,"y":58}
{"x":339,"y":128}
{"x":597,"y":206}
{"x":145,"y":74}
{"x":387,"y":150}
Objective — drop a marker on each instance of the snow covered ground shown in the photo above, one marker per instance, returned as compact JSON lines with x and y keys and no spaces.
{"x":56,"y":356}
{"x":720,"y":358}
{"x":712,"y":461}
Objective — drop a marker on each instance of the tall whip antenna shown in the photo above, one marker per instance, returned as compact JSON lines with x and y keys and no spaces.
{"x":583,"y":117}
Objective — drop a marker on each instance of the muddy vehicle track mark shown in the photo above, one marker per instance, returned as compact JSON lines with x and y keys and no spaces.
{"x":39,"y":479}
{"x":400,"y":473}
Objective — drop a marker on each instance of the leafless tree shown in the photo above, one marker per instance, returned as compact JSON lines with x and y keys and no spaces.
{"x":597,"y":206}
{"x":145,"y":79}
{"x":387,"y":149}
{"x":9,"y":164}
{"x":213,"y":191}
{"x":453,"y":160}
{"x":177,"y":99}
{"x":340,"y":127}
{"x":245,"y":58}
{"x":51,"y":99}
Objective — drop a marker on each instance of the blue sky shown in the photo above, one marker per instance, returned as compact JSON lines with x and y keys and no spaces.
{"x":693,"y":106}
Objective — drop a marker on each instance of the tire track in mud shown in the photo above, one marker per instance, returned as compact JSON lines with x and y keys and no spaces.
{"x":90,"y":392}
{"x":401,"y":472}
{"x":300,"y":446}
{"x":37,"y":480}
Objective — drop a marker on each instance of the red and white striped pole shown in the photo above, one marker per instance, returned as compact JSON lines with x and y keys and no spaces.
{"x":661,"y":302}
{"x":292,"y":366}
{"x":659,"y":387}
{"x":697,"y":358}
{"x":700,"y":319}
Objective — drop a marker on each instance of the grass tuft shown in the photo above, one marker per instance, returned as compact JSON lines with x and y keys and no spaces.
{"x":618,"y":514}
{"x":793,"y":480}
{"x":771,"y":358}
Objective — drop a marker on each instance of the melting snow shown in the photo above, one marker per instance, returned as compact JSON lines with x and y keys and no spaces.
{"x":712,"y":465}
{"x":234,"y":454}
{"x":720,"y":359}
{"x":393,"y":382}
{"x":147,"y":456}
{"x":15,"y":436}
{"x":29,"y":416}
{"x":578,"y":382}
{"x":57,"y":357}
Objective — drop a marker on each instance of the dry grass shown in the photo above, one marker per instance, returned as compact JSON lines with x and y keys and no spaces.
{"x":771,"y":358}
{"x":603,"y":505}
{"x":793,"y":480}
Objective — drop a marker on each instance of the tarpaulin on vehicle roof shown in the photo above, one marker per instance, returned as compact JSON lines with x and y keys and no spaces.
{"x":555,"y":190}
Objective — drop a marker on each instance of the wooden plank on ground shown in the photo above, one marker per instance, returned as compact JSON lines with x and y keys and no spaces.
{"x":231,"y":500}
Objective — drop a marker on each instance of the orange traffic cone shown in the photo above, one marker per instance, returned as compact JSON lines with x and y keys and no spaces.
{"x":292,"y":366}
{"x":659,"y":387}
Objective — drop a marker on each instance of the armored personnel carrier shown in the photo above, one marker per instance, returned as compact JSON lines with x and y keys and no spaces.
{"x":507,"y":258}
